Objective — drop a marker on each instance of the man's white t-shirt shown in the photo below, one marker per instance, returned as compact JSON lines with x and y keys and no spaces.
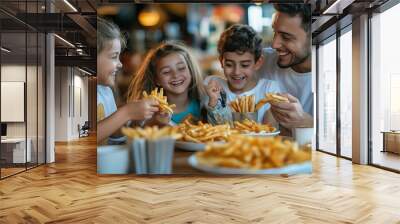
{"x":296,"y":84}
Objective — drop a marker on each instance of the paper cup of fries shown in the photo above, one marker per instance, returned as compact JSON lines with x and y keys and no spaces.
{"x":160,"y":154}
{"x":237,"y":116}
{"x":153,"y":148}
{"x":139,"y":155}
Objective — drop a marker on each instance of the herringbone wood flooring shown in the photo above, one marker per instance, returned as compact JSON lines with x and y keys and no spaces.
{"x":70,"y":191}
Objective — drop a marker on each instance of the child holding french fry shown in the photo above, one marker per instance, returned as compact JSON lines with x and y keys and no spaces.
{"x":240,"y":55}
{"x":109,"y":118}
{"x":172,"y":67}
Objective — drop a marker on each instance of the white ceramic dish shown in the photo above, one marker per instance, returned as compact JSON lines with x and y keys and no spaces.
{"x":190,"y":146}
{"x":301,"y":168}
{"x":262,"y":134}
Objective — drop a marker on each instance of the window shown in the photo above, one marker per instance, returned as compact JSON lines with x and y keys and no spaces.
{"x":22,"y":74}
{"x":346,"y":95}
{"x":327,"y":96}
{"x":385,"y":85}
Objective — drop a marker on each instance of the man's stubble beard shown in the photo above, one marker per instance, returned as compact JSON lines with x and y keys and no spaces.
{"x":297,"y":60}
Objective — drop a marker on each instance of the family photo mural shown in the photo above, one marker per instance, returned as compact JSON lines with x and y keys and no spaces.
{"x":204,"y":88}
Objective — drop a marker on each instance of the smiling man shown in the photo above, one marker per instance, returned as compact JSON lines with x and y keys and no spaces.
{"x":289,"y":63}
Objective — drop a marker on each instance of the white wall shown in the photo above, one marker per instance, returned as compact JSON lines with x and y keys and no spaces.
{"x":61,"y":103}
{"x":12,"y":73}
{"x":69,"y":85}
{"x":34,"y":125}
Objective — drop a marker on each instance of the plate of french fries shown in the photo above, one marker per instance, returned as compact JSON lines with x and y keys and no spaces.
{"x":152,"y":133}
{"x":254,"y":155}
{"x":196,"y":135}
{"x":252,"y":128}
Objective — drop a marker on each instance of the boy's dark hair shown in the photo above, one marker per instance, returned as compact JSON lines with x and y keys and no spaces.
{"x":297,"y":9}
{"x":240,"y":38}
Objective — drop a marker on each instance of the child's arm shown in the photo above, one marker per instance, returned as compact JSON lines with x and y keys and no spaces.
{"x":219,"y":115}
{"x":216,"y":112}
{"x":160,"y":119}
{"x":138,"y":110}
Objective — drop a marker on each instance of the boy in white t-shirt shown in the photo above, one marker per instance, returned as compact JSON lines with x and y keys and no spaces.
{"x":240,"y":54}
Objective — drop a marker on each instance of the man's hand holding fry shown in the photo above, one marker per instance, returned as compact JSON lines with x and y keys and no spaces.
{"x":291,"y":114}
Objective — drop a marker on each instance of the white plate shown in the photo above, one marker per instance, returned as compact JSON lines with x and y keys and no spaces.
{"x":300,"y":168}
{"x":190,"y":146}
{"x":262,"y":134}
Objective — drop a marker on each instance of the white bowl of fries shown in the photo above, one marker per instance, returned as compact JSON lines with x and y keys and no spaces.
{"x":301,"y":168}
{"x":253,"y":155}
{"x":261,"y":134}
{"x":252,"y":128}
{"x":152,"y":148}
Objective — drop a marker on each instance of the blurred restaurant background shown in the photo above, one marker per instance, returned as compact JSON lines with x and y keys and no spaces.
{"x":199,"y":26}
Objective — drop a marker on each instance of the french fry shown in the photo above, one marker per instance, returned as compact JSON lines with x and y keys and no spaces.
{"x":162,"y":100}
{"x":251,"y":103}
{"x":271,"y":97}
{"x":261,"y":103}
{"x":254,"y":153}
{"x":245,"y":104}
{"x":276,"y":98}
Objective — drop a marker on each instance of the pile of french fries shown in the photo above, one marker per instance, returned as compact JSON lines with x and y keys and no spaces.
{"x":270,"y":97}
{"x":203,"y":133}
{"x":248,"y":126}
{"x":253,"y":153}
{"x":162,"y":100}
{"x":244,"y":104}
{"x":152,"y":133}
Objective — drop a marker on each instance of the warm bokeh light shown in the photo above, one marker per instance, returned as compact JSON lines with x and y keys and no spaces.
{"x":149,"y":17}
{"x":107,"y":10}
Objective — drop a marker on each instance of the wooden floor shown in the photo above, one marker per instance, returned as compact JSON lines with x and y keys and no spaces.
{"x":10,"y":171}
{"x":70,"y":191}
{"x":387,"y":159}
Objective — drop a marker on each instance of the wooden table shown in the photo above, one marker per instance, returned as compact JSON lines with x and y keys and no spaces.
{"x":122,"y":154}
{"x":181,"y":164}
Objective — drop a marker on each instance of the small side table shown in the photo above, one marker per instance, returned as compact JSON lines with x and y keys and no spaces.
{"x":391,"y":141}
